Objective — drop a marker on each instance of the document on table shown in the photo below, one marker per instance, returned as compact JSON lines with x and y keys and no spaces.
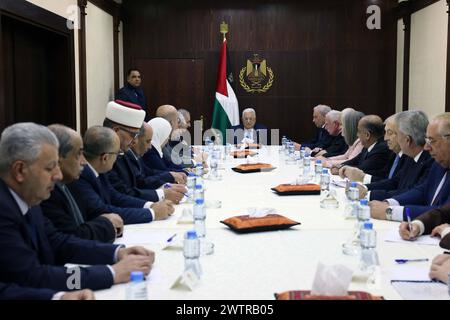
{"x":144,"y":237}
{"x":394,"y":236}
{"x":405,"y":272}
{"x":421,"y":290}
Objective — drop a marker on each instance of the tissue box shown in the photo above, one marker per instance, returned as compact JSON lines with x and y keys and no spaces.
{"x":246,"y":224}
{"x":243,"y":153}
{"x":305,"y":295}
{"x":253,"y":167}
{"x":297,"y":189}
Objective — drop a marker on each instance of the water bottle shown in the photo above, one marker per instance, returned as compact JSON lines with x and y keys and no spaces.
{"x":199,"y":193}
{"x":191,"y":252}
{"x":324,"y":181}
{"x":306,"y":166}
{"x":318,"y":170}
{"x":190,"y":184}
{"x":363,"y":213}
{"x":214,"y":163}
{"x":353,"y":197}
{"x":286,"y":147}
{"x":137,"y":287}
{"x":302,"y":153}
{"x":369,"y":255}
{"x":199,"y":218}
{"x":283,"y":143}
{"x":199,"y":170}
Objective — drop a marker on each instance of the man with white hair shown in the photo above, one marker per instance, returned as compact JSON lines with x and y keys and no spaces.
{"x":336,"y":146}
{"x":249,"y":131}
{"x":322,"y":137}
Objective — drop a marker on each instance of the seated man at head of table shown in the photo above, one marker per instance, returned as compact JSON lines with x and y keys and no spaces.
{"x":434,"y":191}
{"x":32,"y":252}
{"x":249,"y":131}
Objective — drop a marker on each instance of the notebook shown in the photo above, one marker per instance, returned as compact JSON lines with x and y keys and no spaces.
{"x":421,"y":290}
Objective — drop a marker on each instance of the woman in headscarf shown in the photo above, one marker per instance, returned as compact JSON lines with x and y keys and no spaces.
{"x":154,"y":157}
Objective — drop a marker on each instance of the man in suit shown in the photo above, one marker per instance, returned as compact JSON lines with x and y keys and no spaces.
{"x":336,"y":145}
{"x":94,"y":191}
{"x":12,"y":291}
{"x":249,"y":131}
{"x":132,"y":91}
{"x":126,"y":179}
{"x":33,"y":253}
{"x":435,"y":222}
{"x":372,"y":160}
{"x":62,"y":209}
{"x":434,"y":191}
{"x":410,"y":136}
{"x":322,"y":137}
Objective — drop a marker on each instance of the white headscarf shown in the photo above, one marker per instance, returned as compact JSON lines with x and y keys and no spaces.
{"x":161,"y":132}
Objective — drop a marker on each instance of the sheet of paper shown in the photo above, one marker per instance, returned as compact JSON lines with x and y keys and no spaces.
{"x":422,"y":290}
{"x":394,"y":236}
{"x":409,"y":272}
{"x":144,"y":237}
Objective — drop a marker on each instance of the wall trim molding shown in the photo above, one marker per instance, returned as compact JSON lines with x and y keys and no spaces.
{"x":82,"y":65}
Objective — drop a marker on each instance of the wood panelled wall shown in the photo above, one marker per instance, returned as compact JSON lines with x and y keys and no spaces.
{"x":321,"y":51}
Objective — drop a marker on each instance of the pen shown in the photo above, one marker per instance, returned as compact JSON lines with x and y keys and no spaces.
{"x":410,"y":227}
{"x":171,"y":238}
{"x":168,"y":186}
{"x":402,"y":261}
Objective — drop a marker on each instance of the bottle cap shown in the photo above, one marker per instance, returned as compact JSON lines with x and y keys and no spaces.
{"x":325,"y":171}
{"x":318,"y":162}
{"x":136,"y":276}
{"x":199,"y":201}
{"x":353,"y":185}
{"x":368,"y":225}
{"x":198,"y":186}
{"x":191,"y":235}
{"x":191,"y":174}
{"x":364,"y":202}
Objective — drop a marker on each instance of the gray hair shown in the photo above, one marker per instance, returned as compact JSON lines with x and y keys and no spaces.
{"x":184,"y":112}
{"x":322,"y":109}
{"x":350,"y":120}
{"x":444,"y":127}
{"x":334,"y":115}
{"x":65,"y":137}
{"x":413,"y":124}
{"x":24,"y":141}
{"x":249,"y":110}
{"x":98,"y":140}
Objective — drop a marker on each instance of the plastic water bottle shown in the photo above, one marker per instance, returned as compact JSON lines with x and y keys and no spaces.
{"x":137,"y":287}
{"x":191,"y":252}
{"x":369,"y":255}
{"x":214,"y":163}
{"x":302,"y":153}
{"x":363,"y":213}
{"x":306,"y":166}
{"x":199,"y":193}
{"x":324,"y":181}
{"x":199,"y":170}
{"x":190,"y":184}
{"x":199,"y":218}
{"x":318,"y":170}
{"x":283,"y":143}
{"x":353,"y":197}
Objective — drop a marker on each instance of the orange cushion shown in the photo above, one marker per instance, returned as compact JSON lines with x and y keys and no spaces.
{"x":306,"y":295}
{"x":303,"y":189}
{"x":245,"y":224}
{"x":243,"y":153}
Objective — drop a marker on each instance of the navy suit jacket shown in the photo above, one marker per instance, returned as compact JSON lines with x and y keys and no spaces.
{"x":33,"y":254}
{"x":99,"y":197}
{"x":153,"y":160}
{"x":60,"y":213}
{"x":322,"y":138}
{"x":134,"y":95}
{"x":257,"y":128}
{"x":122,"y":177}
{"x":419,"y":198}
{"x":14,"y":292}
{"x":407,"y":176}
{"x":145,"y":176}
{"x":336,"y":147}
{"x":373,"y":162}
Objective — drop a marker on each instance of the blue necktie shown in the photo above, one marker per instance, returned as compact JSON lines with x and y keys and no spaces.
{"x":31,"y":228}
{"x":394,"y":166}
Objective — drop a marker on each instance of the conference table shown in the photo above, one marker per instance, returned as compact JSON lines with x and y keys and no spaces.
{"x":255,"y":266}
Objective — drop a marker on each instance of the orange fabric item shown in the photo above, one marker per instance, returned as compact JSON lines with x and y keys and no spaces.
{"x":243,"y":153}
{"x":296,"y":187}
{"x":254,"y":166}
{"x":267,"y":223}
{"x":306,"y":295}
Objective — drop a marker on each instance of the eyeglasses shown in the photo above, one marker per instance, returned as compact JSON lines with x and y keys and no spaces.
{"x":132,"y":134}
{"x":118,"y":153}
{"x":431,"y":141}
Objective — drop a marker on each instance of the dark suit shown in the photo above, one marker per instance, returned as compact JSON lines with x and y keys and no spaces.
{"x":58,"y":210}
{"x":122,"y":177}
{"x":183,"y":159}
{"x":434,"y":218}
{"x":383,"y":173}
{"x":419,"y":198}
{"x":373,"y":162}
{"x":153,"y":160}
{"x":33,"y":252}
{"x":322,"y":138}
{"x":99,"y":197}
{"x":407,"y":174}
{"x":336,"y":147}
{"x":14,"y":292}
{"x":134,"y":95}
{"x":260,"y":130}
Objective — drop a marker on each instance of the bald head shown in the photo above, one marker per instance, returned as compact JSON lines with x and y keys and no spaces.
{"x":144,"y":140}
{"x":169,"y":113}
{"x":370,"y":129}
{"x":99,"y":140}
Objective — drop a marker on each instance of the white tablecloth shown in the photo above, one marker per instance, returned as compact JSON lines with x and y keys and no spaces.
{"x":255,"y":266}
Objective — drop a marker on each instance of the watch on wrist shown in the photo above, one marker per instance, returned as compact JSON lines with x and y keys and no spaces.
{"x":389,"y":213}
